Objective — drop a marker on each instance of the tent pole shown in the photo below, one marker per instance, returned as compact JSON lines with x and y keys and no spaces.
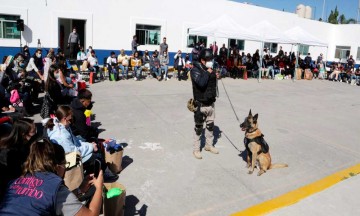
{"x":324,"y":62}
{"x":297,"y":62}
{"x":261,"y":61}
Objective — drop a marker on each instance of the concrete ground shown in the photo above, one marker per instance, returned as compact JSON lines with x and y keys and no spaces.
{"x":340,"y":199}
{"x":310,"y":125}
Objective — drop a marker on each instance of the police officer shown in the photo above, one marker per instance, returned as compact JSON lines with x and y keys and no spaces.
{"x":204,"y":91}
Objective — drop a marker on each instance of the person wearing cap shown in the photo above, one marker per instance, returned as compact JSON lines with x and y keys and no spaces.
{"x":204,"y":86}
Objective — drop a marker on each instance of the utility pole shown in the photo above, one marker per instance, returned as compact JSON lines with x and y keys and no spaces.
{"x":357,"y":19}
{"x":323,"y":11}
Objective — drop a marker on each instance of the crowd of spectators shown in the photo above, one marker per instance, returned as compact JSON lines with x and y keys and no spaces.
{"x":26,"y":153}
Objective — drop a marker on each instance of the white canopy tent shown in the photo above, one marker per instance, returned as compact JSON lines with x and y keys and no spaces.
{"x":303,"y":37}
{"x":224,"y":27}
{"x":269,"y":33}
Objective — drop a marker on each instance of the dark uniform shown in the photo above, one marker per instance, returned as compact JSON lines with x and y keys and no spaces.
{"x":204,"y":92}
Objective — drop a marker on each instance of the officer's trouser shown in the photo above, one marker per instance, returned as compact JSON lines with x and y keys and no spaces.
{"x":209,"y":117}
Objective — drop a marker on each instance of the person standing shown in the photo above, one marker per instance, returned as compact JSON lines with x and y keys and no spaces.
{"x":73,"y":43}
{"x":214,"y":48}
{"x":134,"y":45}
{"x":34,"y":69}
{"x":204,"y":86}
{"x":163,"y":47}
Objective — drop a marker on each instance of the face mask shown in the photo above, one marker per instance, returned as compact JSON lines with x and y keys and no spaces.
{"x":74,"y":32}
{"x":38,"y":55}
{"x":165,"y":55}
{"x":57,"y":76}
{"x":22,"y":65}
{"x":209,"y":64}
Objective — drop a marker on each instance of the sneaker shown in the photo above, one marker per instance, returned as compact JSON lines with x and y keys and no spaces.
{"x":135,"y":78}
{"x":109,"y":176}
{"x":197,"y":154}
{"x":212,"y":149}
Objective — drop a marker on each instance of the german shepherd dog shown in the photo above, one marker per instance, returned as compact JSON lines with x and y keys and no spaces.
{"x":256,"y":147}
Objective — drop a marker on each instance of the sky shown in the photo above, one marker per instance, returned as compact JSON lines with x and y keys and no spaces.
{"x":347,"y":7}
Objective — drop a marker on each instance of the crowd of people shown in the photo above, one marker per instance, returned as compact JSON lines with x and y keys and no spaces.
{"x":233,"y":64}
{"x":33,"y":162}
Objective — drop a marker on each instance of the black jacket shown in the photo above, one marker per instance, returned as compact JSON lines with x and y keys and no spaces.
{"x":204,"y":84}
{"x":78,"y":125}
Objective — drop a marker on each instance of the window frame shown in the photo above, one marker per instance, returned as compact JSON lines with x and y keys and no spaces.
{"x":339,"y":50}
{"x":271,"y":46}
{"x":198,"y":38}
{"x":240,"y":47}
{"x":303,"y":49}
{"x":148,"y":33}
{"x":4,"y":18}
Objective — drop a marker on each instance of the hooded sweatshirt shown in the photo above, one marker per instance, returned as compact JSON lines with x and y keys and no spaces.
{"x":79,"y":126}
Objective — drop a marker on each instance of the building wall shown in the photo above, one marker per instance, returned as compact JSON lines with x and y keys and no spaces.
{"x":110,"y":24}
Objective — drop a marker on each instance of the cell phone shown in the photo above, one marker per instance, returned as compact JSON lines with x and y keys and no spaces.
{"x":97,"y":167}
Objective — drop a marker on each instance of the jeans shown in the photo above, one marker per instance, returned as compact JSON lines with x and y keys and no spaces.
{"x":124,"y":70}
{"x":271,"y":68}
{"x":157,"y":71}
{"x":137,"y":68}
{"x":165,"y":68}
{"x":114,"y":71}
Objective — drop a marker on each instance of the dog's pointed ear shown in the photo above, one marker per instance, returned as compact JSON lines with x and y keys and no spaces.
{"x":255,"y":117}
{"x":250,"y":114}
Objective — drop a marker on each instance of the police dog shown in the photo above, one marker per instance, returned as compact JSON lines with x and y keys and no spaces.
{"x":256,"y":147}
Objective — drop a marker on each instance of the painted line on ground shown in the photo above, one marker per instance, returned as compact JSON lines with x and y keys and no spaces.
{"x":296,"y":195}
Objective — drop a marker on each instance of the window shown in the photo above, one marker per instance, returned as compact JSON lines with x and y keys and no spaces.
{"x":358,"y":54}
{"x":8,"y":27}
{"x":342,"y":52}
{"x":148,"y":34}
{"x":272,"y":46}
{"x":193,"y":39}
{"x":239,"y":43}
{"x":303,"y":49}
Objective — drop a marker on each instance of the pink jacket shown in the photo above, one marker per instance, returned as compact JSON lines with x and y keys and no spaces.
{"x":15,"y":98}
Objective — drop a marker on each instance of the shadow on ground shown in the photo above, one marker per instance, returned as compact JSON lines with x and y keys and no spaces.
{"x":130,"y":206}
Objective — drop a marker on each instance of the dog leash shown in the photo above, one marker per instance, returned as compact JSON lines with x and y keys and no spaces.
{"x":237,"y":118}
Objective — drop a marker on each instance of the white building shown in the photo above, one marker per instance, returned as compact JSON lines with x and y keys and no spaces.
{"x":109,"y":25}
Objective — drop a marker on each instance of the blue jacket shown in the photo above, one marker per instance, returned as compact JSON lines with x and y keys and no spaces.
{"x":64,"y":137}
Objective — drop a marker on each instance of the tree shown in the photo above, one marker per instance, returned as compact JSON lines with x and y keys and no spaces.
{"x":342,"y":19}
{"x":333,"y":18}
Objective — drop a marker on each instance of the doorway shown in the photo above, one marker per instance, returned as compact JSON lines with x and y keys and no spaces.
{"x":65,"y":28}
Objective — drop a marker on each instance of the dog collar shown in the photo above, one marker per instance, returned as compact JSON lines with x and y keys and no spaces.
{"x":253,"y":130}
